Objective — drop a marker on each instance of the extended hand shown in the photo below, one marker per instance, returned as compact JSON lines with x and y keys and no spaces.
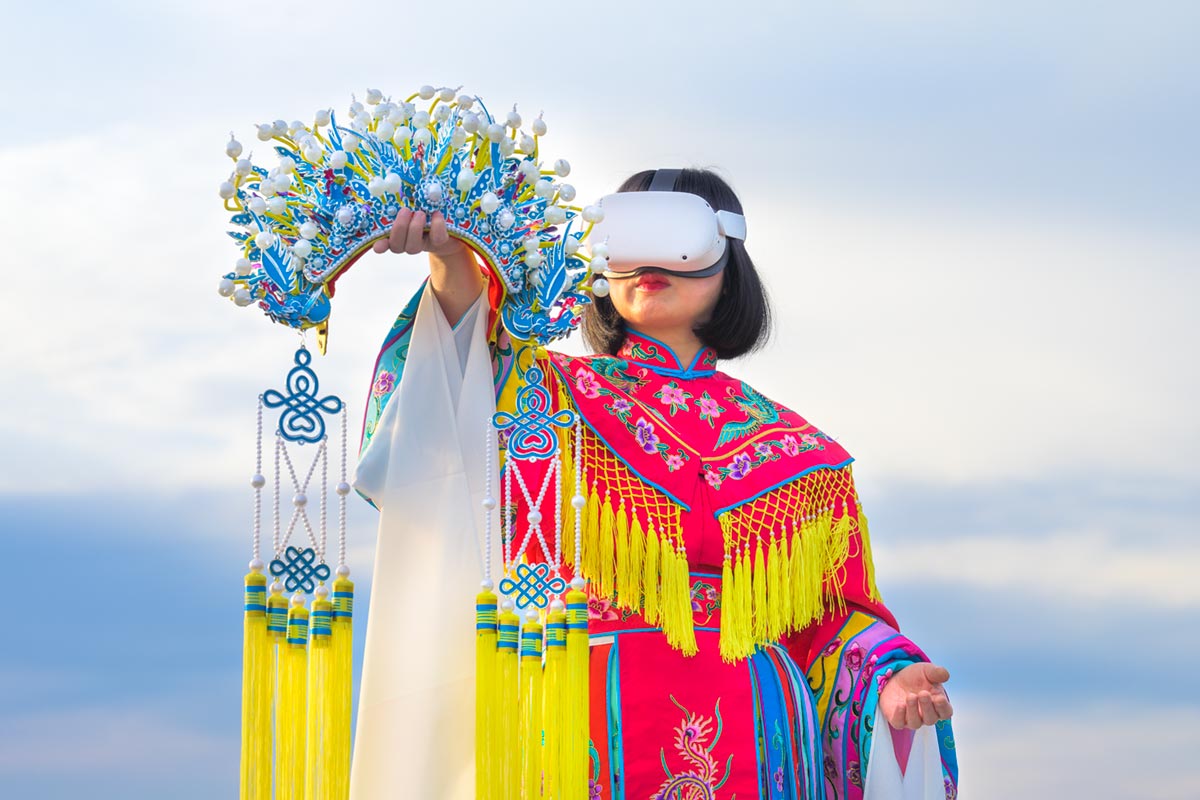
{"x":914,"y":696}
{"x":408,"y":235}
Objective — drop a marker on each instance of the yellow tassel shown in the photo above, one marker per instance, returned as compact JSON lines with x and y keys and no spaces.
{"x":606,"y":561}
{"x":508,"y":782}
{"x":566,"y":454}
{"x":530,"y":732}
{"x":637,"y":557}
{"x":575,"y":754}
{"x":745,"y":588}
{"x":868,"y":561}
{"x":336,"y":751}
{"x":321,"y":698}
{"x":651,"y":580}
{"x":677,"y":601}
{"x":485,"y":680}
{"x":256,"y":692}
{"x":838,"y":550}
{"x":729,"y":649}
{"x":625,"y":598}
{"x":775,"y":624}
{"x":788,"y":588}
{"x":591,"y":535}
{"x":759,"y":631}
{"x":291,"y":706}
{"x":554,"y":708}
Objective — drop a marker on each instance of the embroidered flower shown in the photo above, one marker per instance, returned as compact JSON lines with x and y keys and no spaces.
{"x":763,"y":450}
{"x":790,"y":445}
{"x":741,"y":466}
{"x":854,"y":773}
{"x":585,"y":381}
{"x":883,"y":679}
{"x":779,"y":779}
{"x":674,"y":396}
{"x":713,"y":477}
{"x":709,"y":408}
{"x":830,"y":768}
{"x":809,"y":440}
{"x":674,"y":461}
{"x":384,"y":383}
{"x":645,"y":436}
{"x":854,"y":657}
{"x":601,"y":608}
{"x":951,"y":789}
{"x":831,"y":648}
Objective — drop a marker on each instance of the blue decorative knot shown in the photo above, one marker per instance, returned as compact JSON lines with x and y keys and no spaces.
{"x":302,"y":420}
{"x":533,"y":434}
{"x":300,"y":568}
{"x":534,"y":586}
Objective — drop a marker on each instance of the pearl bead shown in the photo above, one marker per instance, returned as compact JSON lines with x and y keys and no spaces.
{"x":578,"y":502}
{"x":506,"y":605}
{"x":539,"y":126}
{"x":276,"y":587}
{"x":422,"y":137}
{"x":495,"y":132}
{"x":486,"y":585}
{"x":534,"y":259}
{"x":470,"y":122}
{"x":599,"y":264}
{"x":577,"y":583}
{"x":421,"y":119}
{"x":571,"y":245}
{"x":342,"y":489}
{"x":256,"y":565}
{"x":385,"y":130}
{"x":557,"y":605}
{"x":593,"y":214}
{"x":258,"y":205}
{"x":258,"y":481}
{"x":322,"y":591}
{"x":562,"y":168}
{"x":300,"y":500}
{"x":506,"y":219}
{"x":567,"y":192}
{"x":241,"y":296}
{"x":226,"y":190}
{"x":514,"y":119}
{"x":233,"y":148}
{"x":343,"y":571}
{"x":297,"y":600}
{"x":543,"y":188}
{"x":265,"y":133}
{"x":555,"y":215}
{"x":243,"y":167}
{"x":489,"y":202}
{"x":489,"y":503}
{"x":465,"y":180}
{"x":264,"y":240}
{"x":309,"y":230}
{"x":302,"y":248}
{"x":402,"y":135}
{"x":225,"y":287}
{"x":600,"y":287}
{"x":534,"y":517}
{"x":374,"y":96}
{"x":277,"y":205}
{"x":426,"y":92}
{"x":345,"y":215}
{"x":600,"y":250}
{"x":243,"y":267}
{"x":322,"y":117}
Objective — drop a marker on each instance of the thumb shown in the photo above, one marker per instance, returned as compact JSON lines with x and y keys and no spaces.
{"x":936,"y":674}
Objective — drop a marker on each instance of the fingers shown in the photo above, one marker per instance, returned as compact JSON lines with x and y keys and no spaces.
{"x":414,"y":243}
{"x":936,"y":674}
{"x":925,"y":704}
{"x":912,"y":712}
{"x":438,"y":237}
{"x":399,"y":235}
{"x":941,"y":704}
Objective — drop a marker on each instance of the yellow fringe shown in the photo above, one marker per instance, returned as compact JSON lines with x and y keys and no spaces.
{"x":591,"y":534}
{"x":603,"y":577}
{"x":321,"y":698}
{"x":256,"y":694}
{"x":575,"y":701}
{"x":624,"y":582}
{"x":864,"y":536}
{"x":775,"y":589}
{"x":677,"y":601}
{"x":336,"y":752}
{"x":555,"y":714}
{"x":760,"y":628}
{"x":486,"y":739}
{"x":508,"y":781}
{"x":291,"y":706}
{"x":729,"y":648}
{"x":530,"y":732}
{"x":637,"y":558}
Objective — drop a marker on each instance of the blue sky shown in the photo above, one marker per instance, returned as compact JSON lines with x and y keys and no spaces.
{"x":977,"y":221}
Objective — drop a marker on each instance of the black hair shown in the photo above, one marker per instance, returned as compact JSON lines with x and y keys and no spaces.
{"x":740,"y":322}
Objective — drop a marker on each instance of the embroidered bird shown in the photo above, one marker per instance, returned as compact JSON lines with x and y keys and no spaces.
{"x":759,"y":412}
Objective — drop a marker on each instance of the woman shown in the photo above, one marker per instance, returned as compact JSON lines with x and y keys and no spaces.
{"x":749,"y":696}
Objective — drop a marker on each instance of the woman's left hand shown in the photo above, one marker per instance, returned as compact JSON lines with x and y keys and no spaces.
{"x":914,"y":696}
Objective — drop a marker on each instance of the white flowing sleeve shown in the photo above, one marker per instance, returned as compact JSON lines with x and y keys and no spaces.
{"x":424,"y":469}
{"x":922,"y":778}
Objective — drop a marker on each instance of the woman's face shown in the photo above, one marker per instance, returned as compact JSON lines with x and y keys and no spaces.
{"x":657,"y":302}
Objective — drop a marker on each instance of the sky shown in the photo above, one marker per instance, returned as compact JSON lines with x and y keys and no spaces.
{"x":977,"y":223}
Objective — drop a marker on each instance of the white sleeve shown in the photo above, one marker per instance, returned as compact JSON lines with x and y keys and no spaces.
{"x":922,"y":778}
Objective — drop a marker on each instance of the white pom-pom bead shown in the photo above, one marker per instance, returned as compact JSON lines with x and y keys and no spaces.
{"x":374,"y":96}
{"x":465,"y":180}
{"x":242,"y":297}
{"x":599,"y":264}
{"x":562,"y":168}
{"x":426,"y":92}
{"x":422,"y":137}
{"x":534,"y":517}
{"x":343,"y":489}
{"x":258,"y":205}
{"x":600,"y":287}
{"x":225,"y":287}
{"x":265,"y":132}
{"x":322,"y":117}
{"x":489,"y":202}
{"x":345,"y":215}
{"x":420,"y":119}
{"x":256,"y":565}
{"x":302,"y":248}
{"x":514,"y":119}
{"x":495,"y":132}
{"x":578,"y":502}
{"x":571,"y":245}
{"x":555,"y":215}
{"x":233,"y":148}
{"x":277,"y":205}
{"x":243,"y":167}
{"x":264,"y":239}
{"x":343,"y":571}
{"x":567,"y":192}
{"x":433,"y":192}
{"x":600,"y":250}
{"x":458,"y":138}
{"x":539,"y":126}
{"x":543,"y":188}
{"x":593,"y":214}
{"x":243,"y":267}
{"x":489,"y":503}
{"x":505,"y":219}
{"x":309,"y":230}
{"x":226,"y":190}
{"x":470,"y":122}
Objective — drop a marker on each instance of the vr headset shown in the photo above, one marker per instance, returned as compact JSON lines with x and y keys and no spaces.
{"x":661,"y":230}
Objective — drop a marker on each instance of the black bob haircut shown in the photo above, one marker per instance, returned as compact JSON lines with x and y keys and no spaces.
{"x":741,"y":320}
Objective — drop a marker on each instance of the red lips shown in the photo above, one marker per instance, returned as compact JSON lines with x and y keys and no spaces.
{"x":652,"y":282}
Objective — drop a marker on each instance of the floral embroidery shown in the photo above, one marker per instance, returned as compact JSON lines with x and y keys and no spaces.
{"x":768,"y":450}
{"x":601,"y":608}
{"x":713,"y":477}
{"x":645,"y":436}
{"x":759,"y":412}
{"x":384,"y":383}
{"x":585,"y":381}
{"x":674,"y":397}
{"x":705,"y":600}
{"x":700,"y":780}
{"x":674,"y":461}
{"x":710,"y":409}
{"x":643,"y":352}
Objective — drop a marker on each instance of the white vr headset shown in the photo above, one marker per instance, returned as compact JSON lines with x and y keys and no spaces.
{"x":664,"y":231}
